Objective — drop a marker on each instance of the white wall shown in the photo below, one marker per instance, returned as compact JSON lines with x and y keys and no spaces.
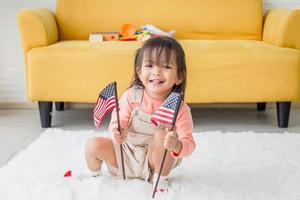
{"x":12,"y":78}
{"x":281,"y":4}
{"x":12,"y":70}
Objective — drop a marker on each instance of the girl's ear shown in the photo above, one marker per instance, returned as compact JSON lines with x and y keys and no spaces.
{"x":180,"y":79}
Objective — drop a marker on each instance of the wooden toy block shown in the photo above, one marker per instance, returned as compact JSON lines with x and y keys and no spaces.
{"x":103,"y":36}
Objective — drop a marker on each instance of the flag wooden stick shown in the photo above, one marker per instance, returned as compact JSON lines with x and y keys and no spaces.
{"x":164,"y":157}
{"x":119,"y":128}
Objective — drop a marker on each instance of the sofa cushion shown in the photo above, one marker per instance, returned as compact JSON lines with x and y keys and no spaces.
{"x":78,"y":67}
{"x":192,"y":19}
{"x":218,"y":70}
{"x":241,"y":71}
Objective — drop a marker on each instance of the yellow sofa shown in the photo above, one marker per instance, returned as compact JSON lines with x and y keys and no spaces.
{"x":233,"y":54}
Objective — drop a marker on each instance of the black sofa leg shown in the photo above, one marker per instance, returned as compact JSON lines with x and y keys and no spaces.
{"x":261,"y":106}
{"x":59,"y":106}
{"x":283,"y":114}
{"x":45,"y":108}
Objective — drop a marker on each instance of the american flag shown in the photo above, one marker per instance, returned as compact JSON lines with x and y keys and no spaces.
{"x":105,"y":103}
{"x":166,"y":112}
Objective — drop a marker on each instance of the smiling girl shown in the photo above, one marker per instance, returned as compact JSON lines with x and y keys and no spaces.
{"x":159,"y":70}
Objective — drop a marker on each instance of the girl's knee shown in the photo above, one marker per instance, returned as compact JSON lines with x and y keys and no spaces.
{"x":158,"y":141}
{"x":159,"y":137}
{"x":93,"y":145}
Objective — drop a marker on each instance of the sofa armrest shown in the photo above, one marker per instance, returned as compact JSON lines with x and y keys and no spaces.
{"x":282,"y":28}
{"x":37,"y":28}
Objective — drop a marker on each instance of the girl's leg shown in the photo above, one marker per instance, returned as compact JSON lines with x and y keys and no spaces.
{"x":156,"y":153}
{"x":97,"y":150}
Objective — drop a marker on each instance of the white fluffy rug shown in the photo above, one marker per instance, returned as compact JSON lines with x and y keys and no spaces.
{"x":231,"y":166}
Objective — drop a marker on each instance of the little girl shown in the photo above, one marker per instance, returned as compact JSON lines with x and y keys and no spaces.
{"x":159,"y":69}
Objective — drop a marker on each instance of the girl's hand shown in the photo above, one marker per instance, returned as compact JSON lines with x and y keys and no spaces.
{"x":171,"y":141}
{"x":118,"y":137}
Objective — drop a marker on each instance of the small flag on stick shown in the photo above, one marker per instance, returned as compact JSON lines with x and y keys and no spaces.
{"x":108,"y":100}
{"x":165,"y":113}
{"x":105,"y":103}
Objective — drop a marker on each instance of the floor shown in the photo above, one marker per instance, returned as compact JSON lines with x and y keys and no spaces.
{"x":20,"y":127}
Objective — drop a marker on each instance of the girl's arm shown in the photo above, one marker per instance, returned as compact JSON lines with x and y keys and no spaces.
{"x":184,"y":125}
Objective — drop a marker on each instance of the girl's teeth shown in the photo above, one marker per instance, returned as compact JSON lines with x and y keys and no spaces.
{"x":156,"y":81}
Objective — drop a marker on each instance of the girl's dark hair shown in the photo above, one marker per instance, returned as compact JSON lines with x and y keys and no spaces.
{"x":157,"y":49}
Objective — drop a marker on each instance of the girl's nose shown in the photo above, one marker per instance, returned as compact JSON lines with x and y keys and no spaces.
{"x":156,"y":70}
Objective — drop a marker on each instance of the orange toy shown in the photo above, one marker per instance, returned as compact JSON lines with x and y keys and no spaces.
{"x":128,"y":31}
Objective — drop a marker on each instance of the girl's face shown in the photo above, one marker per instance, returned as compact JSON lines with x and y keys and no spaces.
{"x":159,"y":78}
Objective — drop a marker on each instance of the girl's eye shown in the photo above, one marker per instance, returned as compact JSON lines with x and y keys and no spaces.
{"x":148,"y":66}
{"x":167,"y":67}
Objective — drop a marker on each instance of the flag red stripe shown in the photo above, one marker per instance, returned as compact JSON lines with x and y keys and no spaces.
{"x":159,"y":117}
{"x":159,"y":121}
{"x":99,"y":120}
{"x":166,"y":110}
{"x":104,"y":104}
{"x":165,"y":113}
{"x":97,"y":104}
{"x":107,"y":109}
{"x":101,"y":109}
{"x":103,"y":112}
{"x":162,"y":114}
{"x":98,"y":108}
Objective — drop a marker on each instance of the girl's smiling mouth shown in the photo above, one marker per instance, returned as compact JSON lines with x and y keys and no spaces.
{"x":156,"y":81}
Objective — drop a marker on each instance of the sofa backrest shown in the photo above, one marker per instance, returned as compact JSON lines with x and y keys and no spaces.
{"x":192,"y":19}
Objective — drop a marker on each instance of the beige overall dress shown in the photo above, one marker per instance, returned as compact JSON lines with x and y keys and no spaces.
{"x":135,"y":148}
